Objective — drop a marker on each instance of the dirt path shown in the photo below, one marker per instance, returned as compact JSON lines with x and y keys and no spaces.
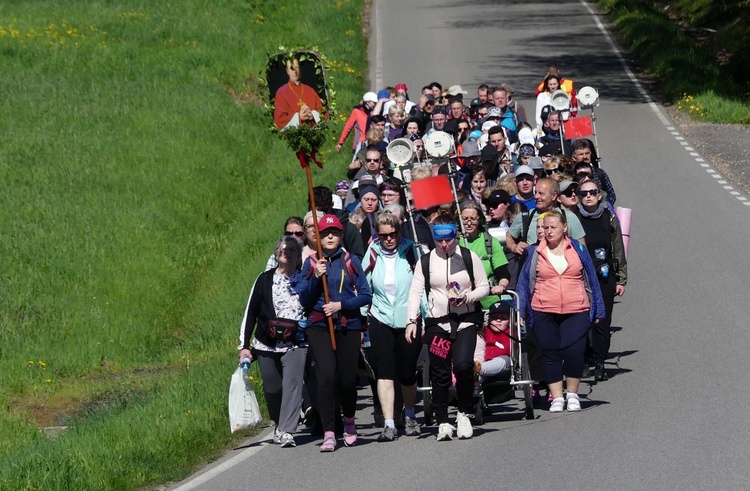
{"x":725,"y":146}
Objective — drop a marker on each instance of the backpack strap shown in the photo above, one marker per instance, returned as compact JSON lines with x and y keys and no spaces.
{"x":488,"y":247}
{"x":411,"y":257}
{"x":469,"y":263}
{"x":350,"y":271}
{"x":425,"y":264}
{"x":525,"y":224}
{"x":371,"y":265}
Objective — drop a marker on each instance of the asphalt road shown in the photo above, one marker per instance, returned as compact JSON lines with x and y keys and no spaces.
{"x":675,"y":414}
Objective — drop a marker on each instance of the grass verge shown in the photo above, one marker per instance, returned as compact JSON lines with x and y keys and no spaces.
{"x":143,"y":195}
{"x":688,"y":74}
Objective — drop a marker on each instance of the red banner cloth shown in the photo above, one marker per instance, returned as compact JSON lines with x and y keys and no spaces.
{"x":578,"y":127}
{"x":432,"y":191}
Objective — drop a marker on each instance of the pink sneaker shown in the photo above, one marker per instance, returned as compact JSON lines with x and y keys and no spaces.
{"x":350,"y":432}
{"x":549,"y":397}
{"x":329,"y":442}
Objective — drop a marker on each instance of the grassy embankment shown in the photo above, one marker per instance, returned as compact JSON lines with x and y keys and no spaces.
{"x":696,"y":49}
{"x":142,"y":195}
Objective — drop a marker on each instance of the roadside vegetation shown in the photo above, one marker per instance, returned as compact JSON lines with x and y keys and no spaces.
{"x":142,"y":195}
{"x":698,"y":50}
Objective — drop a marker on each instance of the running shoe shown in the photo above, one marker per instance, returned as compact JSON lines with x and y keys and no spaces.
{"x":574,"y":404}
{"x":412,"y":427}
{"x":287,"y":440}
{"x":464,"y":426}
{"x":557,"y":406}
{"x":388,"y":434}
{"x":445,"y":432}
{"x":277,"y":436}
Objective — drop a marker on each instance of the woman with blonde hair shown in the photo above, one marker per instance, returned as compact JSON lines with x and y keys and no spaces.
{"x":559,"y":300}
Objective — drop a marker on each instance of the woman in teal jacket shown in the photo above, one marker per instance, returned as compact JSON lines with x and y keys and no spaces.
{"x":389,"y":264}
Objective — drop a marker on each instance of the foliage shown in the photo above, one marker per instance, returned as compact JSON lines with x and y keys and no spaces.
{"x":143,"y":194}
{"x":679,"y":64}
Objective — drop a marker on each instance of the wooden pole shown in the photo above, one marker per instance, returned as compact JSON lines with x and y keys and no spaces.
{"x":324,"y":278}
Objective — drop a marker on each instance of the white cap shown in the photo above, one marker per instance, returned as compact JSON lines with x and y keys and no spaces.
{"x":370,"y":97}
{"x":456,"y":89}
{"x":525,"y":136}
{"x":524,"y":170}
{"x":487,"y":125}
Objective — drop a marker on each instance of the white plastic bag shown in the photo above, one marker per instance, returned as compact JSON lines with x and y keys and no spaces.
{"x":244,"y":411}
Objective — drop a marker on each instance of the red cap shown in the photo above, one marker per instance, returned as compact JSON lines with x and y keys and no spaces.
{"x":329,"y":221}
{"x":402,"y":86}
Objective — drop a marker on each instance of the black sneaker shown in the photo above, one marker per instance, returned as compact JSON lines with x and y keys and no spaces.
{"x":388,"y":434}
{"x":600,"y":374}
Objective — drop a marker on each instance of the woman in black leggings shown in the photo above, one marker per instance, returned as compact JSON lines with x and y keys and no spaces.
{"x":348,"y":291}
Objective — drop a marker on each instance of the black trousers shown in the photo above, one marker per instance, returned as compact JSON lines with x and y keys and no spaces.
{"x":457,"y":355}
{"x":334,"y":370}
{"x":600,"y":335}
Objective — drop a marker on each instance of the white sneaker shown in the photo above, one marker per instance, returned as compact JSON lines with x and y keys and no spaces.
{"x":464,"y":426}
{"x":574,"y":404}
{"x":558,"y":403}
{"x":277,"y":436}
{"x":445,"y":432}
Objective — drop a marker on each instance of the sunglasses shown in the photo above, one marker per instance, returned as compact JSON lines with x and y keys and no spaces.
{"x":372,"y":160}
{"x":331,"y":231}
{"x":588,"y":192}
{"x":568,"y":193}
{"x":390,"y":235}
{"x":492,"y":207}
{"x":525,"y":177}
{"x":296,"y":234}
{"x":549,"y":172}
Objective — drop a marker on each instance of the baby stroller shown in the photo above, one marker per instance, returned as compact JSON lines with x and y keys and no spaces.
{"x":496,"y":390}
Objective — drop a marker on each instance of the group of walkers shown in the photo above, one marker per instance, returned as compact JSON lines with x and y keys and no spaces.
{"x":533,"y":213}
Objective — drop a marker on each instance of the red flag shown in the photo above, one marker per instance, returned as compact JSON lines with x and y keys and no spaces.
{"x":578,"y":127}
{"x":431,"y":191}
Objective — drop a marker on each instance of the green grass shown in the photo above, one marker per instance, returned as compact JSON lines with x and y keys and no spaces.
{"x":687,"y":73}
{"x":140,"y":202}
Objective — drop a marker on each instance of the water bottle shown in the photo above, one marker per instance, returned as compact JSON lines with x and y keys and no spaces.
{"x":600,"y":253}
{"x":604,"y":270}
{"x":245,"y":365}
{"x":366,"y":340}
{"x":301,"y":335}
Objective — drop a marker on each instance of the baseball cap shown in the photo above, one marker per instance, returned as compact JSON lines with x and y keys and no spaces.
{"x":567,"y":184}
{"x":496,"y":197}
{"x":370,"y":97}
{"x":329,"y":221}
{"x":499,"y":308}
{"x":524,"y":170}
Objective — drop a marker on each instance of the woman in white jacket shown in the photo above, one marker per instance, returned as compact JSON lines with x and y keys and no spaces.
{"x":455,"y":281}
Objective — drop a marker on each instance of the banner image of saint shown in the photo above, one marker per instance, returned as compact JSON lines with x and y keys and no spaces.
{"x":298,"y":89}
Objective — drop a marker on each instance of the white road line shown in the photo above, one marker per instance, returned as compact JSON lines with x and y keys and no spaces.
{"x":654,"y":107}
{"x":378,"y":45}
{"x":237,"y":459}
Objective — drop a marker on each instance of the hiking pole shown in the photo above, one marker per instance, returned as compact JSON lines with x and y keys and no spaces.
{"x":323,"y":278}
{"x":451,"y":178}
